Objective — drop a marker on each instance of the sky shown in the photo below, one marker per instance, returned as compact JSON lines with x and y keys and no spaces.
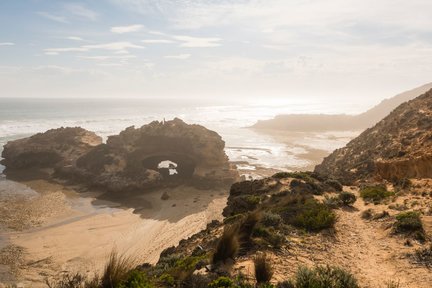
{"x":336,"y":50}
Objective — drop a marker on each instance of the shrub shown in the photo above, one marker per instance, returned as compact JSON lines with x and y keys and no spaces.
{"x":227,"y":247}
{"x":67,"y":281}
{"x":311,"y":216}
{"x":247,"y":226}
{"x":271,"y":219}
{"x":324,"y":277}
{"x":334,"y":183}
{"x":297,"y":175}
{"x":332,"y":201}
{"x":285,"y":284}
{"x":222,"y":282}
{"x":347,"y":198}
{"x":424,"y":256}
{"x":263,"y":269}
{"x":409,"y":223}
{"x":367,"y":214}
{"x":375,"y":194}
{"x":136,"y":279}
{"x":116,"y":270}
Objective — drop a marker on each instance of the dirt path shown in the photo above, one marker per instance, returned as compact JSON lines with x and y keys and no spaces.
{"x":374,"y":256}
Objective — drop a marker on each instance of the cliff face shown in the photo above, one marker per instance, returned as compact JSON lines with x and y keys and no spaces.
{"x":131,"y":160}
{"x":399,"y":146}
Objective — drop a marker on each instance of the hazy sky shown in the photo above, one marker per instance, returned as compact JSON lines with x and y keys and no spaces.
{"x":329,"y":49}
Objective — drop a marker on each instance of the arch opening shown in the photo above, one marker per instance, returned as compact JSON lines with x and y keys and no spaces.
{"x":171,"y":166}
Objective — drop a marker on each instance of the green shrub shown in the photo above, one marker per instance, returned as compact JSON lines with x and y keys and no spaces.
{"x":285,"y":284}
{"x":296,"y":175}
{"x":135,"y":279}
{"x":324,"y":277}
{"x":309,"y":214}
{"x":375,"y":194}
{"x":271,"y":219}
{"x":347,"y":198}
{"x":222,"y":282}
{"x":408,"y":223}
{"x":227,"y":247}
{"x":263,"y":269}
{"x":67,"y":281}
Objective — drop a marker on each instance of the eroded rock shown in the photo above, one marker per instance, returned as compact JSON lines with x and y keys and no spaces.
{"x":131,"y":161}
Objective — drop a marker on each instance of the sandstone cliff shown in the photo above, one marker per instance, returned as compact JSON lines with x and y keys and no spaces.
{"x":399,"y":146}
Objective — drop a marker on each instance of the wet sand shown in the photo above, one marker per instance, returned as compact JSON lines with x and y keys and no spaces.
{"x":72,"y":233}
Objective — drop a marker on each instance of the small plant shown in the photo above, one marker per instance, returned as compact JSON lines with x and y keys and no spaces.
{"x":222,"y":282}
{"x":67,"y":281}
{"x":324,"y":277}
{"x":332,"y":201}
{"x":347,"y":198}
{"x":409,"y":223}
{"x":423,"y":256}
{"x":136,"y":279}
{"x":309,"y":214}
{"x":271,"y":220}
{"x":375,"y":194}
{"x":116,"y":270}
{"x":367,"y":214}
{"x":227,"y":247}
{"x":263,"y":269}
{"x":334,"y":183}
{"x":393,"y":284}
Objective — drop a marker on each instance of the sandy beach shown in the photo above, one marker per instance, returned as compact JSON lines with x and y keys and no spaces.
{"x":63,"y":231}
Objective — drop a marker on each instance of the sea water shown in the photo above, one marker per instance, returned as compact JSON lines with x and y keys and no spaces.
{"x":24,"y":117}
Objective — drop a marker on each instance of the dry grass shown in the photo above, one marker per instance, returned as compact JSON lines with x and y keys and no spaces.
{"x":227,"y":247}
{"x":263,"y":269}
{"x":116,"y":270}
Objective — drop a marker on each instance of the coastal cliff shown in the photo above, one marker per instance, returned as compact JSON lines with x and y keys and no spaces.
{"x":399,"y":146}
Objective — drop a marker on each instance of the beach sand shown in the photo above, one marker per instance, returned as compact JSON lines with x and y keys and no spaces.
{"x":66,"y":232}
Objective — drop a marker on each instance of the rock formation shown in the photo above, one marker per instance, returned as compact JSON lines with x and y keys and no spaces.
{"x":55,"y":147}
{"x":130,"y":161}
{"x":399,"y":146}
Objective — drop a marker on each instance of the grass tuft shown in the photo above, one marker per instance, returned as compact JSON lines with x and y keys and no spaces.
{"x":263,"y":269}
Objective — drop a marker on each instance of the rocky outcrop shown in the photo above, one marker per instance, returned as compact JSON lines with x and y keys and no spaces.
{"x":54,"y":148}
{"x":399,"y":146}
{"x":160,"y":153}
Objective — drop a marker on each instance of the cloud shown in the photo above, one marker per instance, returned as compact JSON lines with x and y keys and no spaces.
{"x":179,"y":57}
{"x":119,"y":46}
{"x":157,"y":41}
{"x":53,"y":17}
{"x":7,"y":44}
{"x":126,"y":29}
{"x":82,"y":12}
{"x":107,"y":57}
{"x":113,"y":46}
{"x":198,"y":42}
{"x":74,"y":38}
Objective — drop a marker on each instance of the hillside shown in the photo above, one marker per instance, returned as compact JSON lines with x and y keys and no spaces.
{"x":340,"y":122}
{"x":399,"y":146}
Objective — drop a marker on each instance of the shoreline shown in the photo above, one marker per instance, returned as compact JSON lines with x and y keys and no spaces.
{"x":81,"y":239}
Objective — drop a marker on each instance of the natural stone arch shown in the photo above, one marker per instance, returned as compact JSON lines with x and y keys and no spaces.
{"x":185,"y":164}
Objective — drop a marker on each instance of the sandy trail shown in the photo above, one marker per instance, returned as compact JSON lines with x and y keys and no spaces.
{"x":82,"y":240}
{"x":375,"y":257}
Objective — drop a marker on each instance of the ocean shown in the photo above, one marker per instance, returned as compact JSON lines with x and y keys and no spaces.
{"x":250,"y":149}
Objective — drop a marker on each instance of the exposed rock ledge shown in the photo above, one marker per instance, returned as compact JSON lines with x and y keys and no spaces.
{"x":129,"y":161}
